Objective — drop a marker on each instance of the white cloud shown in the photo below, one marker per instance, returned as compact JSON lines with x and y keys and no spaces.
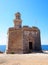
{"x":3,"y":38}
{"x":45,"y":42}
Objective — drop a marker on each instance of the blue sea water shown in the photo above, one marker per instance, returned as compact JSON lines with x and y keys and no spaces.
{"x":3,"y":47}
{"x":44,"y":47}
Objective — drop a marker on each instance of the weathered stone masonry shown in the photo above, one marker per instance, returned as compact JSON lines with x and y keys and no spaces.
{"x":23,"y":39}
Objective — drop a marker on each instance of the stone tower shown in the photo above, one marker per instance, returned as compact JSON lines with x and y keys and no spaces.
{"x":23,"y":39}
{"x":17,"y":20}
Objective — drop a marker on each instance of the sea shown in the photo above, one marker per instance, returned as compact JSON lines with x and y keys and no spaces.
{"x":3,"y":47}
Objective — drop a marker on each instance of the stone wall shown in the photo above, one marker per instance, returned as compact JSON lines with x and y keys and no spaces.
{"x":31,"y":35}
{"x":15,"y":41}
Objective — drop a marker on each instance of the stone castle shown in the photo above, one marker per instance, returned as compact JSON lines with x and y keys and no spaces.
{"x":23,"y":39}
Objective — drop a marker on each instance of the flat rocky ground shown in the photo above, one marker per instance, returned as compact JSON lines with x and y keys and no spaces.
{"x":24,"y":59}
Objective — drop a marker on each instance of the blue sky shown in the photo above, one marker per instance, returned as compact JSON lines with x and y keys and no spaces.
{"x":33,"y":13}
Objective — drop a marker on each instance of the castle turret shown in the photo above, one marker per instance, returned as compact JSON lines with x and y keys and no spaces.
{"x":17,"y":20}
